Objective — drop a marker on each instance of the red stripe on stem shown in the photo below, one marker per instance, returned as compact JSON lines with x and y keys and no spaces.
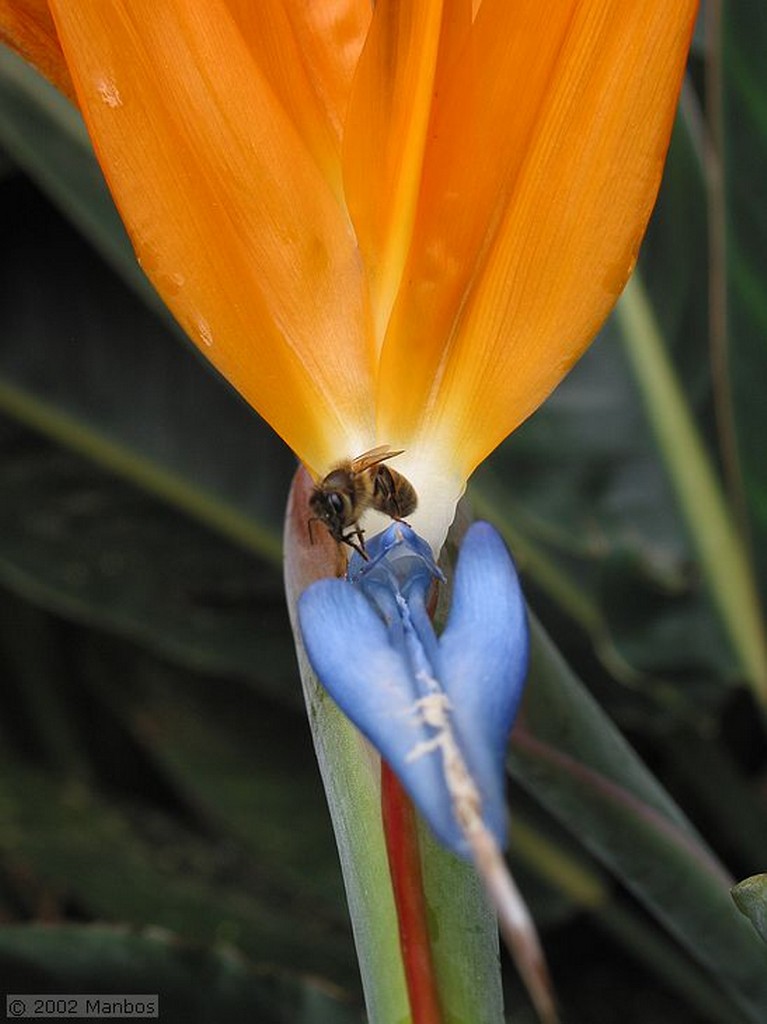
{"x":401,"y":832}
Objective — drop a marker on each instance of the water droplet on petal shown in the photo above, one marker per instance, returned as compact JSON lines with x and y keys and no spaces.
{"x":108,"y":91}
{"x":206,"y":335}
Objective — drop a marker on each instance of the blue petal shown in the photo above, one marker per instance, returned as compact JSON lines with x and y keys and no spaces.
{"x":371,"y":680}
{"x":400,"y":563}
{"x":484,"y":658}
{"x":373,"y":647}
{"x":397,"y":558}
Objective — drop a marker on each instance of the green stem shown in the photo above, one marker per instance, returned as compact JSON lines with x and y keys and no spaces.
{"x":713,"y":532}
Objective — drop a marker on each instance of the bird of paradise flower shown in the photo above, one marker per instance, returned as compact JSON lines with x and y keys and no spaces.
{"x":385,"y":224}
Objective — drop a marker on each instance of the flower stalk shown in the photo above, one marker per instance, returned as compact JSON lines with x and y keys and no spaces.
{"x":350,"y":773}
{"x":463,"y":936}
{"x":439,"y":710}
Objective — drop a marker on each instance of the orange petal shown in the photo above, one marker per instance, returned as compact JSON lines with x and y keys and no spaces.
{"x":330,"y":36}
{"x":385,"y":137}
{"x":27,"y":27}
{"x":581,"y":99}
{"x":269,"y":34}
{"x":229,"y":214}
{"x":483,"y":121}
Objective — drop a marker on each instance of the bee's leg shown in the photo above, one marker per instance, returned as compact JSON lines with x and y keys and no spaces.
{"x":359,"y":544}
{"x":395,"y":515}
{"x":398,"y":513}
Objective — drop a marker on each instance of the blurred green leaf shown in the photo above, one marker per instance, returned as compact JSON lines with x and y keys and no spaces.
{"x":674,"y":264}
{"x":750,"y":897}
{"x":248,"y":769}
{"x":571,"y":757}
{"x":582,"y":476}
{"x":744,"y":160}
{"x":140,"y":868}
{"x":195,"y":985}
{"x":86,"y":544}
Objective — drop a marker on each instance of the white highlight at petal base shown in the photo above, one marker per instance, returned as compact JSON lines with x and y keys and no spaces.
{"x":439,"y":490}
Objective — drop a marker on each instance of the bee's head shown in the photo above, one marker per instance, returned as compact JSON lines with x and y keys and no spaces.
{"x":330,"y":505}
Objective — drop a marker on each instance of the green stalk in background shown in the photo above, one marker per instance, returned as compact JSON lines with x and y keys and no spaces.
{"x":709,"y":520}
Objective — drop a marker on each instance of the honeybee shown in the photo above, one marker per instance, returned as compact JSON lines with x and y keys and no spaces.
{"x":353,"y":486}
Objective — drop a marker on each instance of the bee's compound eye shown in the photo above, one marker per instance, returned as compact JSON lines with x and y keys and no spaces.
{"x":336,"y":502}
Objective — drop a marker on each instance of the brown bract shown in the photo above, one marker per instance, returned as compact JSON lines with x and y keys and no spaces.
{"x":307,"y":561}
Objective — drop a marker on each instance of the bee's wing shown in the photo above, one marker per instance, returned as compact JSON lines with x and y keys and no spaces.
{"x":379,"y":454}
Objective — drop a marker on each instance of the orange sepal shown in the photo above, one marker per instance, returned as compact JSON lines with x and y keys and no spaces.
{"x":268,"y":33}
{"x":330,"y":37}
{"x":496,"y":310}
{"x":385,"y":137}
{"x":229,"y":214}
{"x":27,"y":27}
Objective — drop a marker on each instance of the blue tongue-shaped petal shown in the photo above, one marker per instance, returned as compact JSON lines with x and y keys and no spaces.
{"x":372,"y":646}
{"x":483,"y":662}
